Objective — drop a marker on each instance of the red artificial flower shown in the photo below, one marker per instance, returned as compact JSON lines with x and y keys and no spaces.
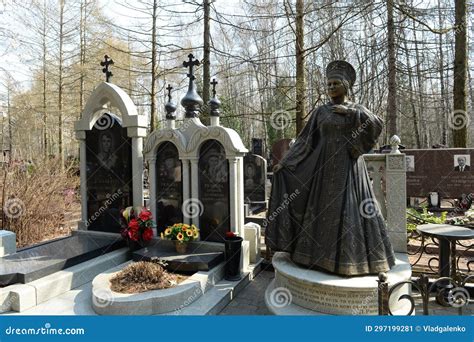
{"x":230,"y":234}
{"x":133,"y":235}
{"x":133,"y":224}
{"x":148,"y":234}
{"x":145,"y":215}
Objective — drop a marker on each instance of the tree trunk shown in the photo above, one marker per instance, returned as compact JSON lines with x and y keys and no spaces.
{"x":412,"y":100}
{"x":45,"y":104}
{"x":392,"y":73}
{"x":459,"y":117}
{"x":60,"y":83}
{"x":206,"y":67}
{"x":444,"y":107}
{"x":153,"y":68}
{"x":300,"y":67}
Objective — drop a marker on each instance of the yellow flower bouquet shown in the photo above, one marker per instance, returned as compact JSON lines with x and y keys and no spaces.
{"x":181,"y":232}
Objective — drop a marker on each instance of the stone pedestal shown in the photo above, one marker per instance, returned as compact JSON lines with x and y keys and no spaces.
{"x":7,"y":242}
{"x":300,"y":291}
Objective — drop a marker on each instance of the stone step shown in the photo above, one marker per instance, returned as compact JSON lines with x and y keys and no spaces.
{"x":20,"y":297}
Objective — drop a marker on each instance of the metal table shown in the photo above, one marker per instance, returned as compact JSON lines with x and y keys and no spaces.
{"x":447,"y":236}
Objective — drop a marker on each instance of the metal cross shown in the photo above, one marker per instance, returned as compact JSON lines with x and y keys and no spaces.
{"x":190,"y":64}
{"x":107,"y":61}
{"x":169,"y":87}
{"x":214,"y":83}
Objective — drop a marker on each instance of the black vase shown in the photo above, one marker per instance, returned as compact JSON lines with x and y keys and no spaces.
{"x":233,"y":252}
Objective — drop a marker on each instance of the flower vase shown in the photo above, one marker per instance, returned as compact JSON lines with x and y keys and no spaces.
{"x":181,"y":247}
{"x":134,"y":245}
{"x":233,"y":263}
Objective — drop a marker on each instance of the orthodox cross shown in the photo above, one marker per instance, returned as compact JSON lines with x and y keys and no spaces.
{"x":190,"y":64}
{"x":169,"y":87}
{"x":214,"y":83}
{"x":107,"y":61}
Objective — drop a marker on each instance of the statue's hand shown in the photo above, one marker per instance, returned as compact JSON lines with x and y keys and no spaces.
{"x":341,"y":109}
{"x":277,"y":168}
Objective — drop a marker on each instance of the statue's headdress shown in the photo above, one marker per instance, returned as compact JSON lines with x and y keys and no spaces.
{"x":341,"y":70}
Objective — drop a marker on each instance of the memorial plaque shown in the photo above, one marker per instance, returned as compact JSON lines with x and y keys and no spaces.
{"x":255,"y":175}
{"x":214,"y":191}
{"x":446,"y":171}
{"x":279,"y":149}
{"x":169,"y":188}
{"x":109,"y":173}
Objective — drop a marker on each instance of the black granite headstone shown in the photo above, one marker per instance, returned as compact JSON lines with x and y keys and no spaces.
{"x":214,"y":191}
{"x":169,"y":188}
{"x":109,"y":173}
{"x":45,"y":259}
{"x":446,"y":171}
{"x":198,"y":257}
{"x":257,"y":146}
{"x":255,"y":175}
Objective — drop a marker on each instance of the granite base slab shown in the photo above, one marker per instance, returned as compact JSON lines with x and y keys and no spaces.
{"x":42,"y":260}
{"x":200,"y":256}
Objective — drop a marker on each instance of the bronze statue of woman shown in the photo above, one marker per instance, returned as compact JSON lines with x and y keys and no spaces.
{"x":322,"y":206}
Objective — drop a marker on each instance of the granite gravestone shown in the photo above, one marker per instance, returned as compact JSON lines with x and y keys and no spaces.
{"x":214,"y":191}
{"x":446,"y":171}
{"x":109,"y":173}
{"x":169,"y":189}
{"x":257,"y":146}
{"x":279,"y":149}
{"x":255,"y":175}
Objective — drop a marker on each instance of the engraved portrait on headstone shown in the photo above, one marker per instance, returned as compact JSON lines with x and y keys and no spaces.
{"x":462,"y":162}
{"x":109,"y":173}
{"x":214,"y":191}
{"x":169,"y":189}
{"x":410,"y":163}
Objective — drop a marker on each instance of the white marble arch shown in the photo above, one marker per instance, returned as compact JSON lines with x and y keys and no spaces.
{"x":104,"y":98}
{"x":152,"y":144}
{"x":196,"y":134}
{"x":188,"y":139}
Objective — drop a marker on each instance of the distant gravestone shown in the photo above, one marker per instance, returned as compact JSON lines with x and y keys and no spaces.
{"x":169,"y":189}
{"x":255,"y":175}
{"x":446,"y":171}
{"x":279,"y":149}
{"x":257,"y":146}
{"x":214,"y":191}
{"x":109,"y":173}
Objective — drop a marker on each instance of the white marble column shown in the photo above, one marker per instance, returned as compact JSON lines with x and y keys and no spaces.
{"x":195,"y":188}
{"x":137,"y":169}
{"x":240,"y":202}
{"x":186,"y":186}
{"x":233,"y":195}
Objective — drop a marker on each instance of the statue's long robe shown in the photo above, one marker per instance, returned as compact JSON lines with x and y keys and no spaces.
{"x":322,"y":208}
